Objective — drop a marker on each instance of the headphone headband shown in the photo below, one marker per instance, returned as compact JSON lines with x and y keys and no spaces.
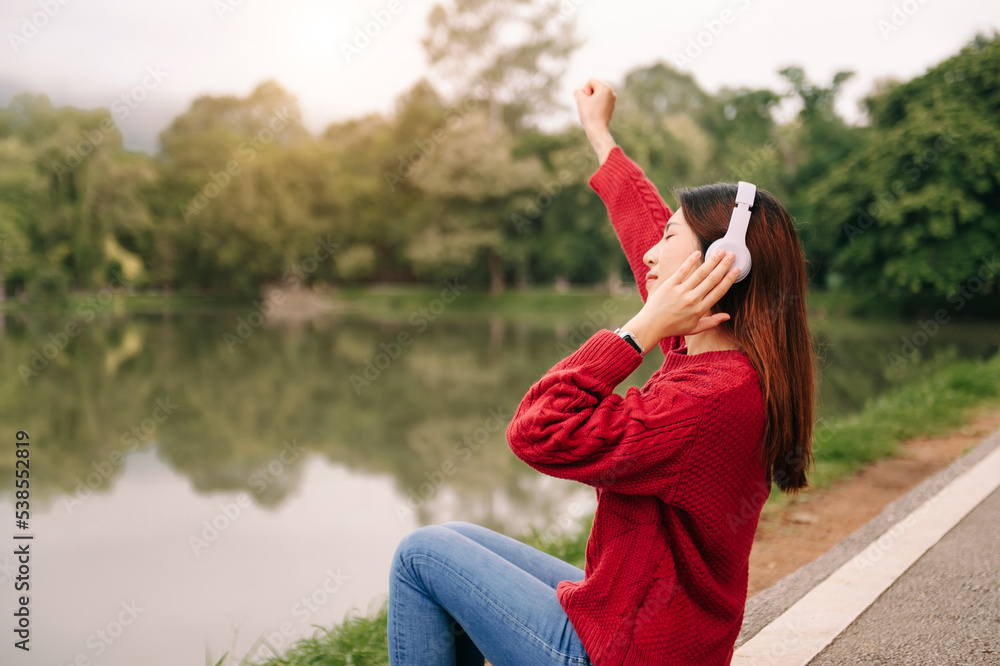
{"x":735,"y":238}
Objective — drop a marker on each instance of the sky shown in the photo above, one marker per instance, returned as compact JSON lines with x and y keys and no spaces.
{"x":162,"y":54}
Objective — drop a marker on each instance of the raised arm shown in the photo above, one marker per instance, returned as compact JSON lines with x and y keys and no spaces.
{"x":638,"y":213}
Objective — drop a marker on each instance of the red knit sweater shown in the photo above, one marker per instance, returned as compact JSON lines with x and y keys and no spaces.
{"x":676,"y":466}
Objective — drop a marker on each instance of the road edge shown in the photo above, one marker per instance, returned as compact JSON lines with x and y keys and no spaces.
{"x":769,"y":604}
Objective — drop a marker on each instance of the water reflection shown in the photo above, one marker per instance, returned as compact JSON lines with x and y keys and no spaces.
{"x":203,"y":570}
{"x":241,"y":419}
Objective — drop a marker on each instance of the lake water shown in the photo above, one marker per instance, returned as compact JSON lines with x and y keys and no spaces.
{"x":192,"y":495}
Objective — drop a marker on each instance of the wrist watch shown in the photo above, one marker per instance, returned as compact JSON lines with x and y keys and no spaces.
{"x":629,"y":338}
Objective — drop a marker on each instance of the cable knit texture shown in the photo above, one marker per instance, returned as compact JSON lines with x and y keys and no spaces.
{"x":676,"y":466}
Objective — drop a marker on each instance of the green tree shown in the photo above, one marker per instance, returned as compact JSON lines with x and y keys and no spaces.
{"x":817,"y":142}
{"x":230,"y":217}
{"x":913,"y":213}
{"x":21,"y":190}
{"x":374,"y":159}
{"x":477,"y":179}
{"x":469,"y":42}
{"x":72,"y":192}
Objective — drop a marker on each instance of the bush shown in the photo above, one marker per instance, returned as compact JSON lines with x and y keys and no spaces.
{"x":48,"y":286}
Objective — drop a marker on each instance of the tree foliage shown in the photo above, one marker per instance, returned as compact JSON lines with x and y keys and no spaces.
{"x":458,"y":184}
{"x":913,"y":210}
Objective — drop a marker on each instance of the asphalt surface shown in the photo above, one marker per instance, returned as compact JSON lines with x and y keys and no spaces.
{"x":944,"y":610}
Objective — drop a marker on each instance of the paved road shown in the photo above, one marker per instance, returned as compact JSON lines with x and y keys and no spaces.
{"x":944,"y":610}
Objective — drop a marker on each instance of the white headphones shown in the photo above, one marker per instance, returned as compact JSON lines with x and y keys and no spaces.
{"x":736,"y":235}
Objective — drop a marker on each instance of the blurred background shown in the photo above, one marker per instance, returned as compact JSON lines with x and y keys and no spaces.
{"x":275,"y":276}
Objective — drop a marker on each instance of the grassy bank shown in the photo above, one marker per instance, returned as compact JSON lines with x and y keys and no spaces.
{"x":398,"y":301}
{"x":933,"y":406}
{"x":842,"y":446}
{"x":387,"y":302}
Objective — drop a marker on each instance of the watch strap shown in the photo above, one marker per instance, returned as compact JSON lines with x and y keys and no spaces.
{"x":629,"y":338}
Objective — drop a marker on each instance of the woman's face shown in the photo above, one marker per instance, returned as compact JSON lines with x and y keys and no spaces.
{"x":669,"y":253}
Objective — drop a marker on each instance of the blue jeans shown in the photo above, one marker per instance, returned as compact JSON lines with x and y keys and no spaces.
{"x":459,"y":592}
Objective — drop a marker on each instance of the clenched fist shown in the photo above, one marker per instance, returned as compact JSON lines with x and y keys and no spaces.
{"x":595,"y":101}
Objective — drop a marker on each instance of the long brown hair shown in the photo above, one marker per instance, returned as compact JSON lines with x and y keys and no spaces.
{"x":767,"y":312}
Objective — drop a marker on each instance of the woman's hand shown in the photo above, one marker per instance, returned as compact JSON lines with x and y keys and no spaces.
{"x":596,"y":102}
{"x":680,"y":305}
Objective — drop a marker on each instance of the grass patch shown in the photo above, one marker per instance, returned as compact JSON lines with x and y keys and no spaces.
{"x":932,"y":406}
{"x":534,"y":304}
{"x":571,"y":547}
{"x":397,"y":300}
{"x":358,"y":641}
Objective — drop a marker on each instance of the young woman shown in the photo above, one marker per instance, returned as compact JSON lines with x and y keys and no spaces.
{"x":681,"y":467}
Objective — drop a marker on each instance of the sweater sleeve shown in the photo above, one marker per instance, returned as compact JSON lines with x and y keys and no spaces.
{"x":572,"y":425}
{"x":638,"y":215}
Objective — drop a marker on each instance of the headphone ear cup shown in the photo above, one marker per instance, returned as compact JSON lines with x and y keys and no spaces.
{"x":742,"y":261}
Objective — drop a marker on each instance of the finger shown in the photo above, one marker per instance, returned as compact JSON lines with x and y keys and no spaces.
{"x":708,"y":322}
{"x":685,"y":269}
{"x":598,"y":85}
{"x":698,"y":277}
{"x":717,"y":292}
{"x":720,"y":275}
